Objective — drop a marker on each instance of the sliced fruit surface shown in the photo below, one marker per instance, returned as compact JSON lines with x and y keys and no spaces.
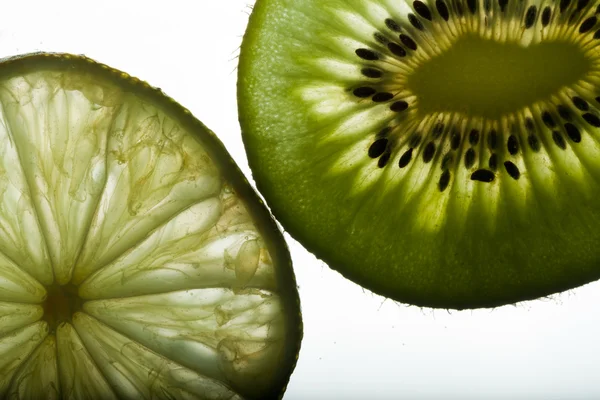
{"x":135,"y":259}
{"x":441,"y":153}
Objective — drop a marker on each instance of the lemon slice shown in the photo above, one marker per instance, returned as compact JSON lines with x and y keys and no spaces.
{"x":135,"y":259}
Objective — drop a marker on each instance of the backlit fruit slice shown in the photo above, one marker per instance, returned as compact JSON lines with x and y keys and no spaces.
{"x":135,"y":259}
{"x":443,"y":153}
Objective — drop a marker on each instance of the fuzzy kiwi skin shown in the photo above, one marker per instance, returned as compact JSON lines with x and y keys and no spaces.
{"x":537,"y":249}
{"x":276,"y":244}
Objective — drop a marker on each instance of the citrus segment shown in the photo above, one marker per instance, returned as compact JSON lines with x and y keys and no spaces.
{"x":201,"y":247}
{"x":15,"y":315}
{"x":40,"y":367}
{"x":21,"y":237}
{"x":61,"y":142}
{"x":80,"y":377}
{"x":15,"y":349}
{"x":155,"y":170}
{"x":191,"y":325}
{"x":18,"y":286}
{"x":136,"y":372}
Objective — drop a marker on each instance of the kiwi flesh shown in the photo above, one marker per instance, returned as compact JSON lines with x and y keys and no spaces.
{"x":442,"y":153}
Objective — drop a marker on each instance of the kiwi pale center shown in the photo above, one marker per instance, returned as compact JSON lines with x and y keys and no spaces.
{"x":482,"y":77}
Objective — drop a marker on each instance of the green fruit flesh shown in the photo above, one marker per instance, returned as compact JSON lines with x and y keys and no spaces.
{"x":135,"y":259}
{"x":443,"y":154}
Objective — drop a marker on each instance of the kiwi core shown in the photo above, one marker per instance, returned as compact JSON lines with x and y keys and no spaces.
{"x":482,"y":77}
{"x":61,"y":303}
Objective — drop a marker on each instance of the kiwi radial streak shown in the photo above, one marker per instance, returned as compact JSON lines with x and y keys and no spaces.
{"x":440,"y":153}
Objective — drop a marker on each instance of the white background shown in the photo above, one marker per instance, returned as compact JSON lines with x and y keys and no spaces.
{"x":357,"y":345}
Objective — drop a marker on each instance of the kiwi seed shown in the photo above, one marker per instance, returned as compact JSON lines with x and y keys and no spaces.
{"x":382,"y":97}
{"x":371,"y":73}
{"x":396,"y":49}
{"x":380,"y":38}
{"x":364,"y":91}
{"x":580,"y":103}
{"x":483,"y":175}
{"x":367,"y":54}
{"x":416,"y":22}
{"x":548,"y":120}
{"x":512,"y":169}
{"x":422,"y":9}
{"x":378,"y":148}
{"x":437,"y":130}
{"x":455,"y":140}
{"x":472,"y":5}
{"x":592,"y":119}
{"x":564,"y":112}
{"x":442,"y":9}
{"x":588,"y":24}
{"x":546,"y":15}
{"x":573,"y":132}
{"x":408,"y":42}
{"x":559,"y":140}
{"x":405,"y":159}
{"x":512,"y":145}
{"x":474,"y":137}
{"x":444,"y":180}
{"x":429,"y":152}
{"x":392,"y":25}
{"x":530,"y":16}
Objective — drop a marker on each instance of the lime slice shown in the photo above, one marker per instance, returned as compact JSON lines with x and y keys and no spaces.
{"x":135,"y":259}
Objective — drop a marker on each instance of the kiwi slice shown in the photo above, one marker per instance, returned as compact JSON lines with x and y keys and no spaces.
{"x":135,"y":259}
{"x":443,"y":153}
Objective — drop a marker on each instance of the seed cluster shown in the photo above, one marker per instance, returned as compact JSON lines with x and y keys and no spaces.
{"x":486,"y":149}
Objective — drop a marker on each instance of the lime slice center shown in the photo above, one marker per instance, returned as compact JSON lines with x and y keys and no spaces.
{"x":60,"y":305}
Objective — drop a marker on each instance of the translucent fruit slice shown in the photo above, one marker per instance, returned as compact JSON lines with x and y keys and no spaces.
{"x":443,"y":153}
{"x":135,"y":259}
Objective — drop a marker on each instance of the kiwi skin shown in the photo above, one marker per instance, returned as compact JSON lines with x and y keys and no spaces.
{"x":541,"y":237}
